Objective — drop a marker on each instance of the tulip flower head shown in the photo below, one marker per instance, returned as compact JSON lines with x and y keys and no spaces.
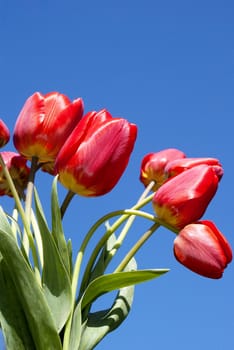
{"x":44,"y":124}
{"x":177,"y":166}
{"x":4,"y":134}
{"x":153,"y":166}
{"x":184,"y":199}
{"x":202,"y":248}
{"x":96,"y":154}
{"x":19,"y":171}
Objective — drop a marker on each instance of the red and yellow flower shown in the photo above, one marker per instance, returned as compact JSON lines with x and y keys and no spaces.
{"x":184,"y":198}
{"x":96,"y":154}
{"x":202,"y":248}
{"x":153,"y":166}
{"x":44,"y":124}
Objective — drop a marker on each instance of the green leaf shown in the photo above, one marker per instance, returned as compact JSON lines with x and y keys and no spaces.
{"x":113,"y":281}
{"x":69,"y":250}
{"x":100,"y":323}
{"x":100,"y":264}
{"x":77,"y":328}
{"x":57,"y":228}
{"x":55,"y":278}
{"x":12,"y":318}
{"x":29,"y":292}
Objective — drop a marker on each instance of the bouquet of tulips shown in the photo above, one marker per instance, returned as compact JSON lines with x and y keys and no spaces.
{"x":46,"y":293}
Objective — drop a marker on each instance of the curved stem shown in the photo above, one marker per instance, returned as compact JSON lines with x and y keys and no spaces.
{"x":126,"y":227}
{"x":136,"y":247}
{"x":108,"y":233}
{"x":22,"y":214}
{"x":66,"y":202}
{"x":79,"y":258}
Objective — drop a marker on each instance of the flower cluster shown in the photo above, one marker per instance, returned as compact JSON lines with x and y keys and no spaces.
{"x":88,"y":154}
{"x":82,"y":151}
{"x":185,"y":188}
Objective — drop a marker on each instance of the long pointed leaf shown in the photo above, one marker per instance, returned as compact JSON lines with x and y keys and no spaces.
{"x":29,"y":292}
{"x":109,"y":282}
{"x":100,"y":265}
{"x":93,"y":334}
{"x":77,"y":328}
{"x":55,"y":278}
{"x":12,"y":318}
{"x":57,"y":228}
{"x":100,"y":323}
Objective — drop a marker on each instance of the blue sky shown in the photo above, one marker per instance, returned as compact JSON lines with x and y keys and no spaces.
{"x":168,"y":67}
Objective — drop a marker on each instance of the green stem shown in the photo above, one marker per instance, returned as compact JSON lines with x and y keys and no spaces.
{"x":22,"y":214}
{"x":67,"y":331}
{"x":79,"y":258}
{"x":66,"y":202}
{"x":23,"y":217}
{"x":13,"y":190}
{"x":30,"y":186}
{"x":38,"y":239}
{"x":124,"y":216}
{"x":136,"y":247}
{"x":126,"y":227}
{"x":14,"y":222}
{"x":28,"y":200}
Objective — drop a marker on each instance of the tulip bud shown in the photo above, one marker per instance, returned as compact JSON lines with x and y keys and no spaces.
{"x":44,"y":124}
{"x":184,"y":199}
{"x":202,"y":248}
{"x":19,"y":171}
{"x":153,"y":165}
{"x":96,"y":154}
{"x":177,"y":166}
{"x":4,"y":134}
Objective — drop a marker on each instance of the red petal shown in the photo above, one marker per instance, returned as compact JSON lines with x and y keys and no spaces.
{"x":54,"y":104}
{"x":28,"y":122}
{"x":197,"y":248}
{"x":221,"y":238}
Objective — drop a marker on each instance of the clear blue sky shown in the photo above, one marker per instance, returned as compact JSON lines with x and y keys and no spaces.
{"x":168,"y":67}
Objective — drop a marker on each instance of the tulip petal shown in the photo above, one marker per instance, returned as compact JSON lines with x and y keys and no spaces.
{"x":26,"y":128}
{"x":221,"y":238}
{"x":184,"y":198}
{"x":153,"y":166}
{"x":97,"y":152}
{"x":4,"y":134}
{"x":177,"y":166}
{"x":200,"y":247}
{"x":44,"y":124}
{"x":54,"y":104}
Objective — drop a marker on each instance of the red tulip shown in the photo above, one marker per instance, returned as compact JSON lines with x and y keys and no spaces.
{"x":44,"y":124}
{"x":96,"y":154}
{"x":184,"y":199}
{"x":4,"y":134}
{"x":177,"y":166}
{"x":202,"y":248}
{"x":19,"y":171}
{"x":153,"y":165}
